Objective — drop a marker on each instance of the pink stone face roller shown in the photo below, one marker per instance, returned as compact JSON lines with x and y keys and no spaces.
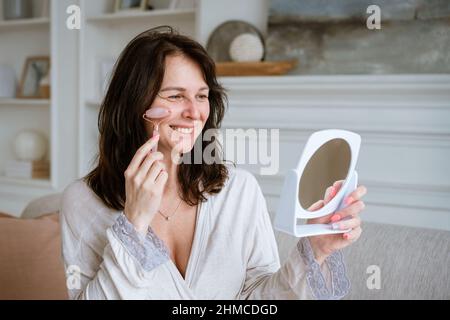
{"x":156,"y":116}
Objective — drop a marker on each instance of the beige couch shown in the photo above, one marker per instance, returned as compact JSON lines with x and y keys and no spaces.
{"x":413,"y":263}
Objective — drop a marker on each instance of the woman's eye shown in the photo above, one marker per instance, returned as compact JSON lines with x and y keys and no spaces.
{"x":177,"y":97}
{"x":203,"y":97}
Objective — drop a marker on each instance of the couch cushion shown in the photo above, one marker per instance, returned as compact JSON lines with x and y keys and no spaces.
{"x":30,"y":258}
{"x":413,"y":263}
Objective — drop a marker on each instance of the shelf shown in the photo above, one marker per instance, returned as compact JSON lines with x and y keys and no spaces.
{"x":19,"y":23}
{"x":132,"y":16}
{"x":24,"y":102}
{"x":40,"y":183}
{"x":93,"y":103}
{"x":260,"y":68}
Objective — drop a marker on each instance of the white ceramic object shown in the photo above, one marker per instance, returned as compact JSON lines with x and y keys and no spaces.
{"x":246,"y":47}
{"x":8,"y":85}
{"x":30,"y":145}
{"x":289,"y":208}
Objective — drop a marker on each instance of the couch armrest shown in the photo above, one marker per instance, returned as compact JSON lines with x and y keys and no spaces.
{"x":44,"y":205}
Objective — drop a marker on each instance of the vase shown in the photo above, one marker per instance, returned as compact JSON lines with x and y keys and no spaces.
{"x":7,"y":81}
{"x":17,"y":9}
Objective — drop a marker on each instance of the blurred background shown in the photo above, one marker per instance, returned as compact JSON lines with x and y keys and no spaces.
{"x":298,"y":66}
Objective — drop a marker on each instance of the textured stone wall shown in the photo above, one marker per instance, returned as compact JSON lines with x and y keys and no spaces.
{"x":331,"y":37}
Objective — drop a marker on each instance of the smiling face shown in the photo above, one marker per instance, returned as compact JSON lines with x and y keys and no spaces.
{"x":185,"y":93}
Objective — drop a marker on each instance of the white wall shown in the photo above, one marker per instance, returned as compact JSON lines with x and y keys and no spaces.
{"x":404,"y":122}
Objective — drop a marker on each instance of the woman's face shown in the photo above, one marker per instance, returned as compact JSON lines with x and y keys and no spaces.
{"x":185,"y":93}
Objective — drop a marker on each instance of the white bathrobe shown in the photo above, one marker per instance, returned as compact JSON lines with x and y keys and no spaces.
{"x":234,"y":254}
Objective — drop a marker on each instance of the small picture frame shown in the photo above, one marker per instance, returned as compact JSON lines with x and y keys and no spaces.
{"x":130,"y":5}
{"x":35,"y":70}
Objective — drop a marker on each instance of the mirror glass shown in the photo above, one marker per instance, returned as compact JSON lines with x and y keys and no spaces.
{"x":328,"y":164}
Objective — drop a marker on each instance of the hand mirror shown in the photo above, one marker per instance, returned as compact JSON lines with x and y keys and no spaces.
{"x":328,"y":156}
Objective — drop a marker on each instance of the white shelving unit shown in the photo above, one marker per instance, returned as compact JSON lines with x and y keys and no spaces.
{"x":69,"y":118}
{"x":21,"y":39}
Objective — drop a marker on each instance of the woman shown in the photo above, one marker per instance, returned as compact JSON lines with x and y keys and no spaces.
{"x":142,"y":226}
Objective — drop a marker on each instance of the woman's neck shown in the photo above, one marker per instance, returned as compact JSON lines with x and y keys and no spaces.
{"x":171,"y":186}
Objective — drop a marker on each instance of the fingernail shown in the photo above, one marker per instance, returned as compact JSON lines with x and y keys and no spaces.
{"x":155,"y":137}
{"x":349,"y":200}
{"x":335,"y":226}
{"x":345,"y":236}
{"x":332,"y":191}
{"x":335,"y":218}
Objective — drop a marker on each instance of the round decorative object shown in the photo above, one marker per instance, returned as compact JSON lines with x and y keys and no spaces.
{"x":30,"y":145}
{"x":246,"y":47}
{"x":220,"y":40}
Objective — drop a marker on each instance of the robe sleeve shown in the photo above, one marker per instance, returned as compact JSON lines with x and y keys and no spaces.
{"x":131,"y":266}
{"x":300,"y":277}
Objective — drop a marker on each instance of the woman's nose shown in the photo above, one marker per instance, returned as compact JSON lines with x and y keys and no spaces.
{"x":191,"y":109}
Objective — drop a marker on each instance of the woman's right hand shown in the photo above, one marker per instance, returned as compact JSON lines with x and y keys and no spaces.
{"x":145,"y":179}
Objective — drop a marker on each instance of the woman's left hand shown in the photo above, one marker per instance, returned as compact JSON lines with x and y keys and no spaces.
{"x":324,"y":245}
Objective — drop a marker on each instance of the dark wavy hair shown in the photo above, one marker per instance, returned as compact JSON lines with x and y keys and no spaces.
{"x":136,"y":80}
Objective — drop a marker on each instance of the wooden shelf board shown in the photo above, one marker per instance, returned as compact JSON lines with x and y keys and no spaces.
{"x":262,"y":68}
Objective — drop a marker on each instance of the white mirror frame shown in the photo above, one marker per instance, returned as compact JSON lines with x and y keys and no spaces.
{"x":289,"y":208}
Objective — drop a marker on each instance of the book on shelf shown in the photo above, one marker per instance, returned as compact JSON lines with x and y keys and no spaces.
{"x":28,"y":169}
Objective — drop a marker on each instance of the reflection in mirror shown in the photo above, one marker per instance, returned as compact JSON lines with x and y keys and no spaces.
{"x":328,"y":164}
